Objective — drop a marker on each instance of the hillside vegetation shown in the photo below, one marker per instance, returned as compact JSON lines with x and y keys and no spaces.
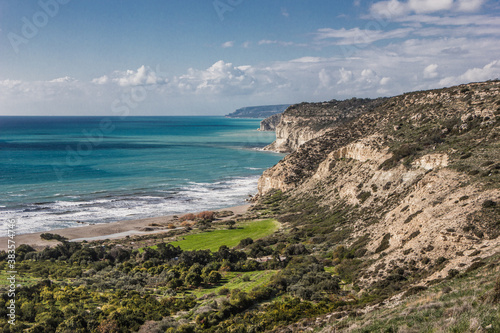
{"x":389,"y":221}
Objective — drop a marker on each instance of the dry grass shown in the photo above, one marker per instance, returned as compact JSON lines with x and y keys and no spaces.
{"x":467,"y":303}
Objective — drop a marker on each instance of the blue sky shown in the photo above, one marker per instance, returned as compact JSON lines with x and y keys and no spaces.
{"x":102,"y":57}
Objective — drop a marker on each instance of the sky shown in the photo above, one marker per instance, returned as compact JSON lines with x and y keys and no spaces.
{"x":209,"y":57}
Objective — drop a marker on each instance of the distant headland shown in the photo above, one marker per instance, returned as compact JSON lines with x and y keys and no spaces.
{"x":262,"y":111}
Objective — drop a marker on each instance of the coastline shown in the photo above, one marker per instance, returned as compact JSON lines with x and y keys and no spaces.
{"x":112,"y":230}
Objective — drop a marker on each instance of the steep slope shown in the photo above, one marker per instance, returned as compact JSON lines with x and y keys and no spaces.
{"x":306,"y":121}
{"x":410,"y":188}
{"x":270,"y":123}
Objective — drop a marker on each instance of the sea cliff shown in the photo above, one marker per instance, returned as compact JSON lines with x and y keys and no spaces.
{"x":306,"y":121}
{"x":270,"y":123}
{"x":416,"y":176}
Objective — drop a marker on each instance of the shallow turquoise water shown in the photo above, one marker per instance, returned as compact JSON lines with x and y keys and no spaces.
{"x":59,"y":170}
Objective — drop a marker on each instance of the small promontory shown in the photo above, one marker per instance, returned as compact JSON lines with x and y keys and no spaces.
{"x":270,"y":123}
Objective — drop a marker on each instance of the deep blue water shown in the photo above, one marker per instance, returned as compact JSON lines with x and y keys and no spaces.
{"x":55,"y":171}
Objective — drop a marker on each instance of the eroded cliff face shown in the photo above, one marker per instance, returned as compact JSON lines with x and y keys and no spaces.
{"x":303,"y":122}
{"x":417,"y":173}
{"x":292,"y":132}
{"x":419,"y":211}
{"x":311,"y":133}
{"x":270,"y":123}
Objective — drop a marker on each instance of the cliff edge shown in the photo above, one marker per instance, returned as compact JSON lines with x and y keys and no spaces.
{"x":410,"y":184}
{"x":269,"y":124}
{"x":306,"y":121}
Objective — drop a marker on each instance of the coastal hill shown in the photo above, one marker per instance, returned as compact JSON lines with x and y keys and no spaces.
{"x":409,"y":186}
{"x":263,"y":111}
{"x":383,"y":217}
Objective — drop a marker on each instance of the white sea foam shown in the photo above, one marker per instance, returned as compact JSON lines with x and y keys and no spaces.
{"x":190,"y":198}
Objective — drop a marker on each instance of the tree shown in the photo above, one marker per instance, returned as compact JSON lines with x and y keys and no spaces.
{"x":108,"y":326}
{"x":28,"y":311}
{"x":245,"y":242}
{"x":213,"y":278}
{"x":119,"y":255}
{"x":75,"y":324}
{"x":168,"y":251}
{"x":193,"y":279}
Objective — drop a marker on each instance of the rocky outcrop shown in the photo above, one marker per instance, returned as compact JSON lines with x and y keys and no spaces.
{"x":269,"y":124}
{"x":432,"y":161}
{"x":303,"y":122}
{"x":290,"y":135}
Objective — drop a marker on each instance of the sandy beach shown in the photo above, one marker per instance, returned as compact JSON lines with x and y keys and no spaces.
{"x":111,"y":230}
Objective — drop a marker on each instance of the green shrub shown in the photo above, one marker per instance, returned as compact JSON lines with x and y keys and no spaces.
{"x":363,"y":196}
{"x":50,"y":236}
{"x":384,"y":244}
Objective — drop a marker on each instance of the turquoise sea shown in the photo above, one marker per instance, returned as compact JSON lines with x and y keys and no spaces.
{"x":55,"y":171}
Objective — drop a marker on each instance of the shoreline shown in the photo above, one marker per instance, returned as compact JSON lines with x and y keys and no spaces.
{"x":112,"y":230}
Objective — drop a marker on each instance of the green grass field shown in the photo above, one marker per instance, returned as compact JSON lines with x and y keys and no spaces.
{"x":236,"y":280}
{"x":212,"y":240}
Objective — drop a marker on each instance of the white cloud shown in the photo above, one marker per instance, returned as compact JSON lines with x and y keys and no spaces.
{"x":64,"y":79}
{"x":389,"y":9}
{"x":10,"y":83}
{"x":376,"y":70}
{"x":430,"y":71}
{"x":219,"y":78}
{"x":488,"y":72}
{"x":246,"y":44}
{"x":228,"y":44}
{"x":284,"y":12}
{"x":101,"y":80}
{"x":142,"y":76}
{"x":369,"y":76}
{"x":17,"y":91}
{"x":462,"y":20}
{"x":360,"y":36}
{"x":345,"y":76}
{"x":278,"y":42}
{"x":385,"y":80}
{"x":267,"y":42}
{"x":470,"y":5}
{"x":429,"y":6}
{"x":308,"y":59}
{"x":324,"y":79}
{"x":393,"y":9}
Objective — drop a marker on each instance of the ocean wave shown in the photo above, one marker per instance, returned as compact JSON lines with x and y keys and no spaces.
{"x":193,"y":197}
